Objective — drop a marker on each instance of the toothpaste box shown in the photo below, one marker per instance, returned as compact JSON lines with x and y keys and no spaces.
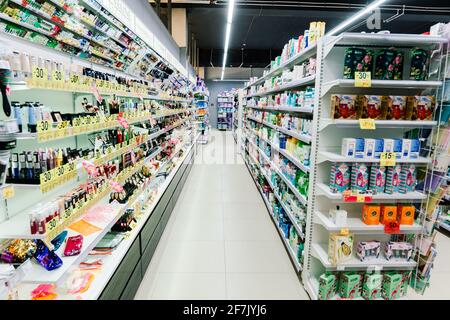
{"x":348,"y":147}
{"x":406,"y":148}
{"x":398,"y":148}
{"x":379,"y":148}
{"x":369,"y":148}
{"x":388,"y":145}
{"x":414,"y":149}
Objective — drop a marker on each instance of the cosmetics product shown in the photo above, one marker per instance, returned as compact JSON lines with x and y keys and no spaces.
{"x":408,"y":178}
{"x":350,"y":285}
{"x":5,"y":79}
{"x":360,"y":177}
{"x":414,"y":149}
{"x":406,"y":148}
{"x":340,"y":177}
{"x":372,"y":286}
{"x":370,"y":108}
{"x":398,"y":148}
{"x":406,"y":214}
{"x":371,"y":214}
{"x":367,"y":250}
{"x":388,"y":214}
{"x":348,"y":147}
{"x":17,"y":112}
{"x":340,"y":248}
{"x":338,"y":216}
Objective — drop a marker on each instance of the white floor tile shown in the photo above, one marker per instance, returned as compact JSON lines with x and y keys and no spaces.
{"x":245,"y":211}
{"x":197,"y":229}
{"x":249,"y":230}
{"x":193,"y":257}
{"x":256,"y":257}
{"x":264,"y":286}
{"x":187,"y":286}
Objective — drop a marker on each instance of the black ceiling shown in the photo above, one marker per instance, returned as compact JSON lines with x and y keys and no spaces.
{"x":262,"y":27}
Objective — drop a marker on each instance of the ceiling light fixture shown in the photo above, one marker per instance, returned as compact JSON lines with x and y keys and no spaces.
{"x":356,"y":17}
{"x":227,"y":35}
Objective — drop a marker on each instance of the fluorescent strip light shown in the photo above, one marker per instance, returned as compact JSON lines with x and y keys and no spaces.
{"x":356,"y":17}
{"x":227,"y":34}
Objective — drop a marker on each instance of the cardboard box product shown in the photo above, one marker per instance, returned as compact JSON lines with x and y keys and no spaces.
{"x":392,"y":283}
{"x":340,"y":177}
{"x":328,"y":285}
{"x":340,"y":248}
{"x":371,"y":108}
{"x":350,"y":285}
{"x":371,"y":214}
{"x":408,"y":178}
{"x":367,"y":250}
{"x":405,"y":214}
{"x":388,"y":214}
{"x":360,"y":177}
{"x":399,"y":251}
{"x":393,"y":182}
{"x":377,"y":181}
{"x":344,"y":106}
{"x":395,"y":107}
{"x":372,"y":286}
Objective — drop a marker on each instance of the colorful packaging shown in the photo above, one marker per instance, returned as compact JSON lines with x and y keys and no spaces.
{"x":368,"y":250}
{"x":405,"y":283}
{"x":340,"y":177}
{"x":408,"y":178}
{"x":395,"y":107}
{"x":420,"y":107}
{"x":419,"y":64}
{"x":379,"y":148}
{"x":377,"y":181}
{"x":398,"y":148}
{"x":388,"y":145}
{"x":372,"y":286}
{"x":370,"y":108}
{"x":371,"y":214}
{"x":414,"y":149}
{"x":369,"y":148}
{"x":328,"y":283}
{"x":392,"y":283}
{"x":393,"y":179}
{"x":406,"y":148}
{"x":405,"y":214}
{"x":350,"y":285}
{"x":357,"y":60}
{"x":399,"y":251}
{"x":340,"y":248}
{"x":389,"y":65}
{"x":352,"y":147}
{"x":360,"y":177}
{"x":344,"y":106}
{"x":388,"y":214}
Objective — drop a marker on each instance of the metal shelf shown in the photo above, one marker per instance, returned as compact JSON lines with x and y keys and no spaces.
{"x":285,"y":109}
{"x":335,"y":157}
{"x":288,"y":86}
{"x":379,"y":124}
{"x":320,"y":252}
{"x":357,"y":226}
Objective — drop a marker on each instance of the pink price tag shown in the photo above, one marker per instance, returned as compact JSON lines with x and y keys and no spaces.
{"x":116,"y":186}
{"x":123,"y":122}
{"x":90,"y":168}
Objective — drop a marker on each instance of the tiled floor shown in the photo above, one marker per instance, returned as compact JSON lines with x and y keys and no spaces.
{"x":220,"y":242}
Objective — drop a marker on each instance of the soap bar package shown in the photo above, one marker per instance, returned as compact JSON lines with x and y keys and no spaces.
{"x":371,"y":108}
{"x":408,"y":178}
{"x":389,"y":65}
{"x":419,"y":64}
{"x":357,"y":60}
{"x":360,"y":177}
{"x":377,"y":179}
{"x":344,"y":106}
{"x":393,"y":179}
{"x":340,"y":177}
{"x":395,"y":107}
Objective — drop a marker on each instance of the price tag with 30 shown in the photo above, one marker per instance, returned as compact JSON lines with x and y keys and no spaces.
{"x":363,"y":79}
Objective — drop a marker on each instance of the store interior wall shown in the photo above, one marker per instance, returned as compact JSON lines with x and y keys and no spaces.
{"x":216,"y":87}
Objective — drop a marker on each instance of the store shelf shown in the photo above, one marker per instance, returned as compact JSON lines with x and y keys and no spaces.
{"x":320,"y":252}
{"x":288,"y":86}
{"x":336,"y":85}
{"x":357,"y":226}
{"x":379,"y":124}
{"x":288,"y":247}
{"x":395,"y":197}
{"x":296,"y":59}
{"x":285,"y":109}
{"x":296,"y":135}
{"x":294,"y":190}
{"x":25,"y":25}
{"x":111,"y":262}
{"x":286,"y":154}
{"x":335,"y":157}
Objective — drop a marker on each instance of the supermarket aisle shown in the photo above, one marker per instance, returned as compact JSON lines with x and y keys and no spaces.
{"x":220,"y":242}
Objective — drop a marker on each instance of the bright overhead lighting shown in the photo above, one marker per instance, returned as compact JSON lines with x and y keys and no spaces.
{"x":227,"y":34}
{"x":356,"y":17}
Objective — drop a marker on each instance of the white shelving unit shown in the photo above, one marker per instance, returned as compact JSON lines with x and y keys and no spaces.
{"x":326,"y":140}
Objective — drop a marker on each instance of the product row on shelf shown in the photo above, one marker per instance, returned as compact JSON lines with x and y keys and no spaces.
{"x":201,"y":96}
{"x":225,"y":109}
{"x":353,"y":171}
{"x":95,"y":147}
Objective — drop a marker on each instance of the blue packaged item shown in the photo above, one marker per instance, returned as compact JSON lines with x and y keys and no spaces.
{"x":59,"y":240}
{"x":379,"y":148}
{"x":359,"y":148}
{"x":397,"y":149}
{"x":415,"y":149}
{"x":47,"y":258}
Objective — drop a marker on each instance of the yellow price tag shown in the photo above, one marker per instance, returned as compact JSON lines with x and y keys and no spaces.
{"x":360,"y":198}
{"x":58,"y":77}
{"x":74,"y":80}
{"x":8,"y":192}
{"x":46,"y":177}
{"x":43,"y":126}
{"x":51,"y":225}
{"x":344,"y":232}
{"x":39,"y":76}
{"x":367,"y":124}
{"x":387,"y":159}
{"x":363,"y":79}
